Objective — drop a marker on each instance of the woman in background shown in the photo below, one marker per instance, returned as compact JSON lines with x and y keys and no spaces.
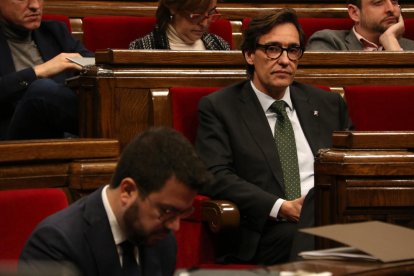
{"x":183,"y":25}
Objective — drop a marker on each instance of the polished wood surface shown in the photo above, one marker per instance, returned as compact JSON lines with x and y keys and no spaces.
{"x":128,"y":91}
{"x":358,"y":184}
{"x":77,"y":165}
{"x":234,"y":11}
{"x":361,"y":268}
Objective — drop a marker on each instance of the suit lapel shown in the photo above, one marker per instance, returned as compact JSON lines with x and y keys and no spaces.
{"x":100,"y":238}
{"x":256,"y":121}
{"x":7,"y":64}
{"x":307,"y":112}
{"x":352,"y":42}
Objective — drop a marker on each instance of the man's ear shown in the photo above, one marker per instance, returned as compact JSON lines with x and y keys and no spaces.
{"x":249,"y":57}
{"x":128,"y":189}
{"x":354,"y":13}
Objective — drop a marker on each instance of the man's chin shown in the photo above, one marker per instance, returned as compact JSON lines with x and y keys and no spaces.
{"x":154,"y":238}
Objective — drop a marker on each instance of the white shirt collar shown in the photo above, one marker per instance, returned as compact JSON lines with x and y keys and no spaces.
{"x":117,"y":232}
{"x":266,"y":101}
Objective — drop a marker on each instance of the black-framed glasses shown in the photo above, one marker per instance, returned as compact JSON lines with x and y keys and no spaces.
{"x":167,"y":213}
{"x":212,"y":15}
{"x":274,"y":51}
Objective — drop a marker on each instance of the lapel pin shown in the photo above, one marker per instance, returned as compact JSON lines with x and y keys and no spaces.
{"x":316,"y":113}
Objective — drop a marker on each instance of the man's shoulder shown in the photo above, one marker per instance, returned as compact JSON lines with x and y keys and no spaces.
{"x":407,"y":44}
{"x":329,"y":40}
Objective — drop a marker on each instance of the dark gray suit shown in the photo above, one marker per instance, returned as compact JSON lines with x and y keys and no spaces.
{"x":339,"y":40}
{"x":236,"y":142}
{"x":81,"y":235}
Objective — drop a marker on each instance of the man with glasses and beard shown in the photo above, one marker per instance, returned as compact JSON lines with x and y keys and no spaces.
{"x":125,"y":228}
{"x":379,"y":26}
{"x":259,"y":138}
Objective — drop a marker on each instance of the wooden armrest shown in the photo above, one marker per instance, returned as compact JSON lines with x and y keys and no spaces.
{"x":221,"y":215}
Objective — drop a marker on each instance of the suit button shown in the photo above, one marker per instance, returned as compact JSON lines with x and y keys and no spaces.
{"x":24,"y":83}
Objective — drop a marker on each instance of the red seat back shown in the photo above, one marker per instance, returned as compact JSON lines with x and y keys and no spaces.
{"x":381,"y":108}
{"x":58,"y":17}
{"x":184,"y":105}
{"x":409,"y":28}
{"x":116,"y":32}
{"x":312,"y":24}
{"x":223,"y":28}
{"x":20,"y":212}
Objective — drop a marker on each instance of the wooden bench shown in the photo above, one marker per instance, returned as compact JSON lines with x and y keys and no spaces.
{"x":129,"y":90}
{"x":233,"y":11}
{"x":79,"y":166}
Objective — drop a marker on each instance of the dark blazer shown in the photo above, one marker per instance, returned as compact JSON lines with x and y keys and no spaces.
{"x":81,"y":235}
{"x":343,"y":40}
{"x":236,"y":142}
{"x":52,"y":38}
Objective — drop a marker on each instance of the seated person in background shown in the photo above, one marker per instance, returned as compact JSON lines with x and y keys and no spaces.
{"x":378,"y":26}
{"x":259,"y":138}
{"x":183,"y":25}
{"x":34,"y":103}
{"x":153,"y":187}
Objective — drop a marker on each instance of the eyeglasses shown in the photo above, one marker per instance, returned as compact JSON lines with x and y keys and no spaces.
{"x":168,"y":213}
{"x":273,"y":51}
{"x":212,"y":15}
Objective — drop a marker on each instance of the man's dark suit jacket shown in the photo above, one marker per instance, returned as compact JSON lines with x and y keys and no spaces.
{"x":236,"y":142}
{"x":81,"y":235}
{"x":52,"y":38}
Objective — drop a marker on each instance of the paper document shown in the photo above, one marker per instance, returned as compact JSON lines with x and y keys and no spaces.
{"x":384,"y":241}
{"x":338,"y":253}
{"x":82,"y":61}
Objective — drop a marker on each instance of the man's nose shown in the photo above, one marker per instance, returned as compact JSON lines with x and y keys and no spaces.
{"x":173,"y":224}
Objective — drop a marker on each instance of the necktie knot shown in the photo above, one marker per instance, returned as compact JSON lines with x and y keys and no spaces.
{"x":279,"y":107}
{"x":129,"y":262}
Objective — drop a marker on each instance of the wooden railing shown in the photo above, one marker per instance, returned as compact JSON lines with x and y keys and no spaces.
{"x":79,"y":166}
{"x":127,"y":91}
{"x":233,"y":11}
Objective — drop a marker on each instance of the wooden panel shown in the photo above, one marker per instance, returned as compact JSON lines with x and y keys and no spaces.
{"x":118,"y":97}
{"x":354,"y":185}
{"x":77,"y":165}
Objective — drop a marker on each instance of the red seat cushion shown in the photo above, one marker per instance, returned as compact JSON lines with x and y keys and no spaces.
{"x":381,"y":108}
{"x":58,"y":17}
{"x":116,"y":32}
{"x":223,"y":29}
{"x":312,"y":24}
{"x":184,"y":104}
{"x":20,"y":212}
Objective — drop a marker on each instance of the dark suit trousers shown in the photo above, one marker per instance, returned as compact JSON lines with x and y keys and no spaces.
{"x":47,"y":110}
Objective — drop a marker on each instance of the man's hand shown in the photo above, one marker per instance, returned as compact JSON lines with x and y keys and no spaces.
{"x":56,"y":65}
{"x":389,"y":39}
{"x":290,"y":210}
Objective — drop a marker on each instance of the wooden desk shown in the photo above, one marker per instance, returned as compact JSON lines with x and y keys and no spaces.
{"x":77,"y":165}
{"x":128,"y":91}
{"x":365,"y":176}
{"x":349,"y":267}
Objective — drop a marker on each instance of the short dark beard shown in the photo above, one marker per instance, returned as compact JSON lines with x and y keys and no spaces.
{"x":132,"y":227}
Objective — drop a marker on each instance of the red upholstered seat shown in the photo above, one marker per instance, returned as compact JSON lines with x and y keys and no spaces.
{"x":116,"y":32}
{"x":20,"y":212}
{"x":313,"y":24}
{"x":58,"y":17}
{"x":101,"y":32}
{"x":223,"y":28}
{"x":184,"y":105}
{"x":194,"y":240}
{"x":381,"y":108}
{"x":409,"y":28}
